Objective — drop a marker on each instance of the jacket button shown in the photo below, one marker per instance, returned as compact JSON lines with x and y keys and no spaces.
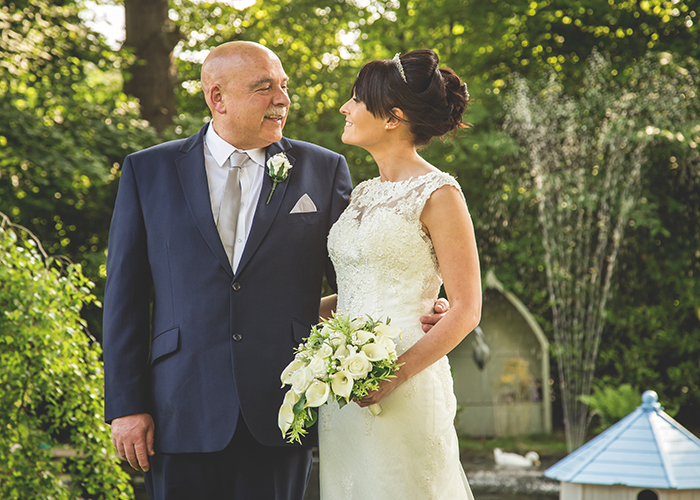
{"x":237,"y":337}
{"x":236,"y":286}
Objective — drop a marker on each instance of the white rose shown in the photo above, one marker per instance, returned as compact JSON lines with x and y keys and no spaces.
{"x":285,"y":418}
{"x":388,"y":330}
{"x":363,"y":336}
{"x":342,"y":383}
{"x":279,"y":164}
{"x":357,"y":365}
{"x":287,"y":373}
{"x":317,"y":393}
{"x":301,"y":379}
{"x":375,"y":352}
{"x":319,"y":366}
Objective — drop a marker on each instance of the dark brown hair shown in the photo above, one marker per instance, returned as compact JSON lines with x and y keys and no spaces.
{"x":432,"y":99}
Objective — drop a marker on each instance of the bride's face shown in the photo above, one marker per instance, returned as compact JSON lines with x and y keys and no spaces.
{"x":362,"y":128}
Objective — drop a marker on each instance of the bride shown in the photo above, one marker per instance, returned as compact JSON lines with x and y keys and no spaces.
{"x":403,"y":235}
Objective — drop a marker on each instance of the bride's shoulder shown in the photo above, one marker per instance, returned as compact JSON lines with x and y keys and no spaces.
{"x":437,"y":179}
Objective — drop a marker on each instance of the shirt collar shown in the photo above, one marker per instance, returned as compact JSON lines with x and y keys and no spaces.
{"x":221,"y":150}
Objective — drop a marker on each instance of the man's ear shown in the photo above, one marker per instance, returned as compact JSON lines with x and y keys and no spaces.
{"x":395,"y":119}
{"x":216,"y":99}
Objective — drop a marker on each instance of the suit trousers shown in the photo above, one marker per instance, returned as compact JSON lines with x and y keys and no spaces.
{"x":244,"y":470}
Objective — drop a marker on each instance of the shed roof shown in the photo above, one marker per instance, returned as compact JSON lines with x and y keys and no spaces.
{"x":645,"y":449}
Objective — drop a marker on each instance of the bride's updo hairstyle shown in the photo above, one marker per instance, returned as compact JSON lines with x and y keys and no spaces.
{"x":432,"y":98}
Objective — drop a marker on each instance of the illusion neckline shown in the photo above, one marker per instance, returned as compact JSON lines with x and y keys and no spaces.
{"x":412,"y":178}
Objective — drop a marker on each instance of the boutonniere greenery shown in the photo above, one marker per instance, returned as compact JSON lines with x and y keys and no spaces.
{"x":278,"y":168}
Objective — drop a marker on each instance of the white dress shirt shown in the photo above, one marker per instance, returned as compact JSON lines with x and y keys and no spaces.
{"x":216,"y":152}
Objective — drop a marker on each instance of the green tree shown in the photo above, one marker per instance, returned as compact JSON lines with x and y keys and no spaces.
{"x":51,"y":385}
{"x":586,"y":157}
{"x":65,"y":127}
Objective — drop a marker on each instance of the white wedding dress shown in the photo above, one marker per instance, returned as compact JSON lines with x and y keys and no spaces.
{"x":386,"y":267}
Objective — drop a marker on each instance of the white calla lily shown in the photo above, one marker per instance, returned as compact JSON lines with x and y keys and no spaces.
{"x":325,"y":351}
{"x":388,"y":330}
{"x":341,"y":352}
{"x":291,"y":397}
{"x":375,"y":352}
{"x":317,"y":393}
{"x":285,"y":418}
{"x":387,"y":342}
{"x":341,"y":383}
{"x":363,"y":336}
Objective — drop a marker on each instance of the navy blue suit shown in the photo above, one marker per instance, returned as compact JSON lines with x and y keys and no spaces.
{"x":185,"y":339}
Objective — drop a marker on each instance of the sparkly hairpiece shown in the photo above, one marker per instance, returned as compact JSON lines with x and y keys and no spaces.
{"x":397,"y":61}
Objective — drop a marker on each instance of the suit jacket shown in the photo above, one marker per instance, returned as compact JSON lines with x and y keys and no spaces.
{"x":185,"y":339}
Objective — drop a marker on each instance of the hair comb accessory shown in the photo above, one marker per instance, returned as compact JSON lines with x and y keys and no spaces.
{"x":397,"y":61}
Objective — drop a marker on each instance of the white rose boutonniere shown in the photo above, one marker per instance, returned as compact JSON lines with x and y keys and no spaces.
{"x":278,"y":168}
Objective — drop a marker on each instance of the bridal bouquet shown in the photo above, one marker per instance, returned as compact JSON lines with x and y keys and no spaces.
{"x":342,"y":359}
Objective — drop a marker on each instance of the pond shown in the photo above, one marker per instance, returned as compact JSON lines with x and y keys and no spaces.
{"x":487,"y":484}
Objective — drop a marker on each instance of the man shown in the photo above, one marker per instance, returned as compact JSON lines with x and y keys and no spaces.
{"x":214,"y":275}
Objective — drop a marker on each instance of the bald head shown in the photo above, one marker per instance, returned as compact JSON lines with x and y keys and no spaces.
{"x":245,"y":88}
{"x":224,"y":61}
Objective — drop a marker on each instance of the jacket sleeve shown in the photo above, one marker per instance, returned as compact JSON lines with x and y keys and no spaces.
{"x":342,"y":186}
{"x":126,"y":320}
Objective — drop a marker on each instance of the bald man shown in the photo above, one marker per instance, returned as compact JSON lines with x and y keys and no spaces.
{"x":214,"y":275}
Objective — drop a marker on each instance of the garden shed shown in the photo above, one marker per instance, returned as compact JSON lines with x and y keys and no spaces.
{"x":645,"y":456}
{"x":501,"y":370}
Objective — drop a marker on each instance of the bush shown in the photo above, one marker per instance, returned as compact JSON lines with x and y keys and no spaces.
{"x":51,"y":383}
{"x":611,"y":404}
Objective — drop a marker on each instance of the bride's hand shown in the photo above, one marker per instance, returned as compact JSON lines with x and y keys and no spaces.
{"x":374,"y":397}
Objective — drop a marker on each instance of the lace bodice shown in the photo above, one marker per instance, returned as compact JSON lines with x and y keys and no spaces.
{"x":384,"y":260}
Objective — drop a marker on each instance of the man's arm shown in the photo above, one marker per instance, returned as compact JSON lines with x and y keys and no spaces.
{"x":126,"y":330}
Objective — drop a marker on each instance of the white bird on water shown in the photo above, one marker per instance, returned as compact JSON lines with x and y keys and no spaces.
{"x":505,"y":460}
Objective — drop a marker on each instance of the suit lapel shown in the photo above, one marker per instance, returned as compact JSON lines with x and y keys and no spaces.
{"x":193,"y":179}
{"x":265,"y":213}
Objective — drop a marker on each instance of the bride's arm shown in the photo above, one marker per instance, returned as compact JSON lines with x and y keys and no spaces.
{"x":328,"y":305}
{"x":450,"y":227}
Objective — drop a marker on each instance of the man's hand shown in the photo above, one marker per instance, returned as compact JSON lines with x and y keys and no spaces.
{"x":132,"y":437}
{"x":440,"y":308}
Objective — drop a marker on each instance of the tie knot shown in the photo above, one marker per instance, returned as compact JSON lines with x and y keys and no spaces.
{"x":237,"y":158}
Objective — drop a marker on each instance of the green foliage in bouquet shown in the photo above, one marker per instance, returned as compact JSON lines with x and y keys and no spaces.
{"x":53,"y":440}
{"x":342,"y":359}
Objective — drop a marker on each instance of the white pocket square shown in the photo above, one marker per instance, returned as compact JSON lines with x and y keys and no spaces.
{"x":304,"y":205}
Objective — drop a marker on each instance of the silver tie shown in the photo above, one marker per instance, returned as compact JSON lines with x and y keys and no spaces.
{"x":230,"y":203}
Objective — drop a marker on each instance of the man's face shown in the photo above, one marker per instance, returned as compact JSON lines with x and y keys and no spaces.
{"x":254,"y":96}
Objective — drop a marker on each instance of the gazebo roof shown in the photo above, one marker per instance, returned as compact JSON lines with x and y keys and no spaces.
{"x":645,"y":449}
